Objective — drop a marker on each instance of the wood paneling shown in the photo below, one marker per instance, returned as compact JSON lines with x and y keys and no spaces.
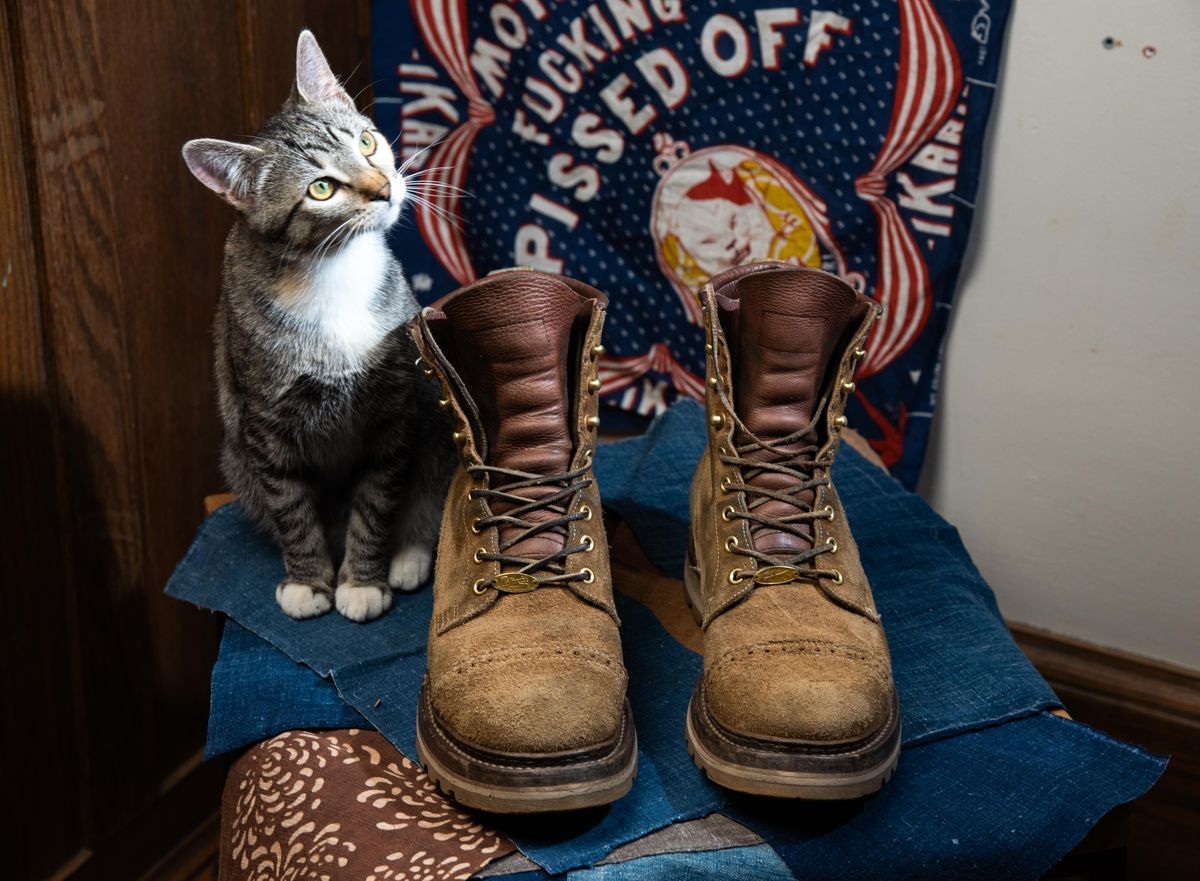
{"x":110,"y":256}
{"x":171,"y":234}
{"x":39,"y":722}
{"x":85,"y":303}
{"x":269,"y":29}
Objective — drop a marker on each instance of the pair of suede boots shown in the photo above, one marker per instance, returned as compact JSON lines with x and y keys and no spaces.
{"x":523,"y":708}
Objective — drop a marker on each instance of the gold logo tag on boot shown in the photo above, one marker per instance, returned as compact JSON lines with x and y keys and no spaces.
{"x":776,"y":575}
{"x":514,"y":582}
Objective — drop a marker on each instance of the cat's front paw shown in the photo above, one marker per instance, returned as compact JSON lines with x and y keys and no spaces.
{"x":302,"y":600}
{"x":362,"y":602}
{"x":410,"y":567}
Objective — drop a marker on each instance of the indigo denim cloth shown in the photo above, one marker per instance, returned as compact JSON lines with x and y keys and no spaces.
{"x":757,"y":862}
{"x":257,"y":692}
{"x":979,"y":755}
{"x":1003,"y":802}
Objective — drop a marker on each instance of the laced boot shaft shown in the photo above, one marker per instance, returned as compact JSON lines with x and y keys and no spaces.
{"x":796,"y":698}
{"x":510,"y":376}
{"x":785,"y":334}
{"x":525,"y":666}
{"x":513,"y":379}
{"x":519,"y":526}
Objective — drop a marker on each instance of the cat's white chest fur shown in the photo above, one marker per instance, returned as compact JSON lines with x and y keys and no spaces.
{"x":336,"y":297}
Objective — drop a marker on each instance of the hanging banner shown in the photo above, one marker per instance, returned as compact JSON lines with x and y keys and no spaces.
{"x":646,"y":145}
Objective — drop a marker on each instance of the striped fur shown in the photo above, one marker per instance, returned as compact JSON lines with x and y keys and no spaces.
{"x":333,"y":439}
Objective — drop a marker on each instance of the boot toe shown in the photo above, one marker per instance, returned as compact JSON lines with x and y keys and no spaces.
{"x":799,"y":691}
{"x":534,"y":701}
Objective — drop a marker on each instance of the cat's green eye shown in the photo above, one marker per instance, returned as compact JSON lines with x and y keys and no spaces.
{"x":321,"y":189}
{"x":366,"y":143}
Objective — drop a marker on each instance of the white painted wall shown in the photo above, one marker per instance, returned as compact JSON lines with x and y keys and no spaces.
{"x":1067,"y":444}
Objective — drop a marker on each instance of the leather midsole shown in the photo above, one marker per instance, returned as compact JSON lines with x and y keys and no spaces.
{"x":773,"y":755}
{"x":508,"y":771}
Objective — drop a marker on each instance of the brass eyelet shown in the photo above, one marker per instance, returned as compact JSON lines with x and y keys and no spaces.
{"x":735,"y":576}
{"x":475,"y":527}
{"x":584,"y":509}
{"x":713,"y":382}
{"x":718,"y":421}
{"x":593,"y":385}
{"x":443,"y":402}
{"x":860,"y":353}
{"x":849,"y":386}
{"x":838,"y":579}
{"x":592,"y":422}
{"x":587,"y":457}
{"x":832,"y":513}
{"x":832,"y":544}
{"x":480,"y":587}
{"x":477,"y":553}
{"x":726,"y":483}
{"x":708,"y":348}
{"x":841,"y":421}
{"x":597,"y":351}
{"x":423,"y":365}
{"x":590,"y":576}
{"x":588,"y":544}
{"x":731,"y":543}
{"x":724,"y":450}
{"x":726,"y":515}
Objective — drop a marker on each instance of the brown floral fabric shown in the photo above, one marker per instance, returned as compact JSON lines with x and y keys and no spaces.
{"x":341,"y":805}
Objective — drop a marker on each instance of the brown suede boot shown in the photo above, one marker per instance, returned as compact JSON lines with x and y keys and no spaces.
{"x":796,"y":699}
{"x":523,"y":707}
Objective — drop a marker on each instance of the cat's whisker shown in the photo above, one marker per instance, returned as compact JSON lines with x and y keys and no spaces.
{"x":327,"y":242}
{"x":436,"y":187}
{"x":369,"y":85}
{"x":439,"y":211}
{"x":434,"y":182}
{"x":441,"y":185}
{"x":342,"y":240}
{"x":447,"y":193}
{"x":413,"y":158}
{"x":423,"y":171}
{"x":429,"y":203}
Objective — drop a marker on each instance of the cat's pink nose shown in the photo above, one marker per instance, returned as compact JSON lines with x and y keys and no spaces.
{"x":384,"y":193}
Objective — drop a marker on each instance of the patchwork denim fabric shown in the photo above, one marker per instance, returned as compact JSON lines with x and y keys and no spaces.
{"x":758,"y":862}
{"x":258,"y":691}
{"x":977,"y":748}
{"x":1006,"y":801}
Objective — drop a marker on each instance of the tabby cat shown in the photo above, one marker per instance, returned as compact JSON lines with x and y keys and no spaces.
{"x":333,"y":440}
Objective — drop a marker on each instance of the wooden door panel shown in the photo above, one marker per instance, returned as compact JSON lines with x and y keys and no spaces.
{"x":171,"y":231}
{"x":110,"y":259}
{"x":42,"y":755}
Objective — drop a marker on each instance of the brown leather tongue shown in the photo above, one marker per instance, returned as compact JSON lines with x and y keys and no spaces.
{"x":786,"y":332}
{"x":513,"y":337}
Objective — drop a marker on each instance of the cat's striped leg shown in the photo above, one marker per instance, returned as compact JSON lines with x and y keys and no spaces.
{"x":363,"y":592}
{"x":306,"y":591}
{"x":420,"y":515}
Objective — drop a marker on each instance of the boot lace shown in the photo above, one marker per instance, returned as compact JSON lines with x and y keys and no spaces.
{"x":549,"y":568}
{"x":799,"y":465}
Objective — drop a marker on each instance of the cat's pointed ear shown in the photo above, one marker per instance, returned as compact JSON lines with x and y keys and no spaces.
{"x":315,"y":82}
{"x":223,"y":167}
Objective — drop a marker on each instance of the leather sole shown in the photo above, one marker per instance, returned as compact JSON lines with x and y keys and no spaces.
{"x":784,"y":769}
{"x":507,"y":783}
